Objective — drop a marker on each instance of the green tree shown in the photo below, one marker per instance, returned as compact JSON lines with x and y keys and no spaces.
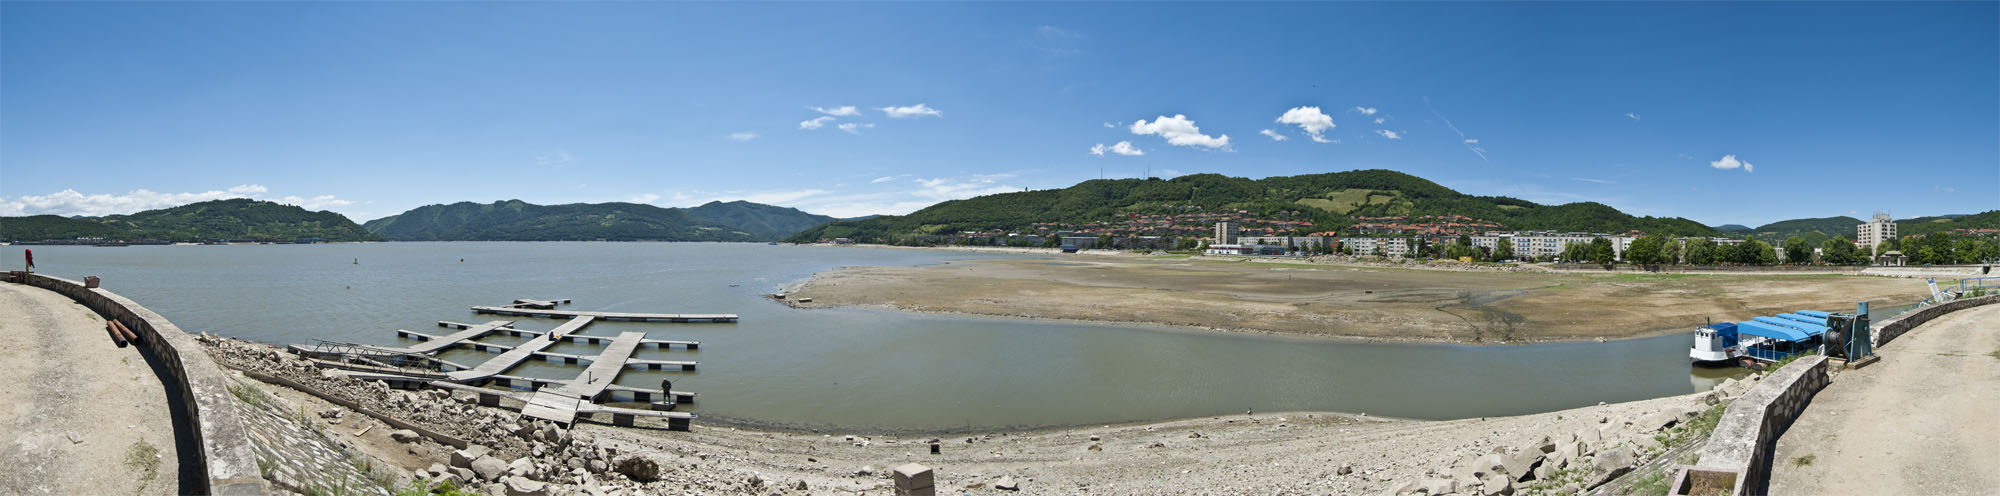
{"x":1647,"y":250}
{"x":1797,"y":252}
{"x":1887,"y":245}
{"x":1726,"y":252}
{"x":1701,"y":252}
{"x":1505,"y":249}
{"x":1601,"y":252}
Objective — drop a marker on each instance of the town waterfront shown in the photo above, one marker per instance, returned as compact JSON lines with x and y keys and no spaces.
{"x":853,"y":368}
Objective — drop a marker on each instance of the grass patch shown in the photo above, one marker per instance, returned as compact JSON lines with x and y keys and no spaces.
{"x":423,"y":488}
{"x":145,"y":459}
{"x":251,"y":395}
{"x":1689,"y":431}
{"x":1654,"y":483}
{"x":1803,"y":460}
{"x":1995,"y":354}
{"x":1555,"y":481}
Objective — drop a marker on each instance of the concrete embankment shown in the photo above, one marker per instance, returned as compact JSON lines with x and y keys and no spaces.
{"x":192,"y":380}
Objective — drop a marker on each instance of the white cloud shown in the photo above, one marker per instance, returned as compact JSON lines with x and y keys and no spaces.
{"x":1122,"y":148}
{"x":1684,"y":156}
{"x":1110,"y":125}
{"x":1634,"y":117}
{"x":1365,"y":110}
{"x":1729,"y":162}
{"x":1589,"y":180}
{"x":1471,"y":141}
{"x":69,"y":202}
{"x":743,"y":136}
{"x":882,"y":179}
{"x":1851,"y":212}
{"x":1389,"y":134}
{"x":1379,"y":120}
{"x":1273,"y":134}
{"x":645,"y":198}
{"x":918,"y":110}
{"x":557,"y":158}
{"x":815,"y":123}
{"x":1310,"y":119}
{"x":853,"y":128}
{"x":1180,"y":131}
{"x":845,"y":110}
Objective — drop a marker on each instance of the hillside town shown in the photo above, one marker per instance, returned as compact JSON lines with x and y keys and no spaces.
{"x":1459,"y":237}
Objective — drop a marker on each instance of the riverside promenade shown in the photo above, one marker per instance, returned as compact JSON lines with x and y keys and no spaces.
{"x":83,"y":416}
{"x":1921,"y":421}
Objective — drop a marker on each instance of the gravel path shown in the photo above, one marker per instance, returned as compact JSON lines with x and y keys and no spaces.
{"x":1920,"y":422}
{"x":84,"y":416}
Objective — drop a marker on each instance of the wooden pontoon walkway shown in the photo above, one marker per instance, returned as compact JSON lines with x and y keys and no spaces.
{"x":625,"y":316}
{"x":659,"y":343}
{"x":520,"y":353}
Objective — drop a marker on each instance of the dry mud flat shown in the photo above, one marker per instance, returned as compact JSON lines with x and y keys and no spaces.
{"x":1261,"y":453}
{"x":1344,"y":301}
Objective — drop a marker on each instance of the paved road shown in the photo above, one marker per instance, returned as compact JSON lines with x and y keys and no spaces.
{"x":61,"y":374}
{"x":1926,"y":420}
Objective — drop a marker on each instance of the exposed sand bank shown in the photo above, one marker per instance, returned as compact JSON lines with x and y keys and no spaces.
{"x":1260,"y":453}
{"x":1334,"y":301}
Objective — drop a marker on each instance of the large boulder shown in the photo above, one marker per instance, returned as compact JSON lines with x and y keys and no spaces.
{"x":638,"y":468}
{"x":404,"y":436}
{"x":489,"y":468}
{"x":1522,"y":465}
{"x":464,"y":457}
{"x":1438,"y":486}
{"x":1497,"y":485}
{"x":1610,"y":464}
{"x":523,"y":486}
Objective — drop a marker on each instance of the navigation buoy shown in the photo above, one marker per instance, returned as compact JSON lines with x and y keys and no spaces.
{"x":357,"y":261}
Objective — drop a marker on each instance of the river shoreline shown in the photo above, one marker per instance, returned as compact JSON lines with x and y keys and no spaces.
{"x":1251,"y":453}
{"x":1336,"y":302}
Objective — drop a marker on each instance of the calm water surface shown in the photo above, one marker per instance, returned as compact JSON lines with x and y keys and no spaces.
{"x":849,"y":368}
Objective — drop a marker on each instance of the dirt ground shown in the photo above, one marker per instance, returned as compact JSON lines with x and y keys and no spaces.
{"x":1486,"y":307}
{"x":66,"y":378}
{"x":1919,"y":422}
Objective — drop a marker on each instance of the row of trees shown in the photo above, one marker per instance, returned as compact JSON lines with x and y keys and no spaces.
{"x":1943,"y":248}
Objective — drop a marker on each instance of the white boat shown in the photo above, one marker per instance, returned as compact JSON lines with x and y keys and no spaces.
{"x":1715,"y":344}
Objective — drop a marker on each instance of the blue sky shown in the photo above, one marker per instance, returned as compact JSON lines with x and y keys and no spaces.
{"x":1719,"y":112}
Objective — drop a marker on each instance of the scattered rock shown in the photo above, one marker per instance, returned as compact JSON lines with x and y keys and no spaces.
{"x":596,"y":466}
{"x":404,"y":436}
{"x":1438,"y":486}
{"x":464,"y":457}
{"x":1007,"y":484}
{"x":864,"y":471}
{"x":1093,"y":437}
{"x":801,"y":486}
{"x":1610,"y":464}
{"x":1497,"y":485}
{"x":489,"y":468}
{"x":523,"y":486}
{"x":1522,"y":465}
{"x":1345,"y":468}
{"x":637,"y":468}
{"x":1194,"y":435}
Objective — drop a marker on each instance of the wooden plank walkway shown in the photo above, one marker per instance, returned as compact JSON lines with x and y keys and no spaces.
{"x":657,"y":343}
{"x":605,"y":368}
{"x":624,"y":316}
{"x":435,"y":345}
{"x":520,"y":352}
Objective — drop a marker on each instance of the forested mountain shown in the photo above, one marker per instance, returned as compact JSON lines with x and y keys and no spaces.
{"x":218,"y":219}
{"x":1332,"y":202}
{"x":1813,"y":230}
{"x":1730,"y":228}
{"x":515,"y":220}
{"x":1925,"y":225}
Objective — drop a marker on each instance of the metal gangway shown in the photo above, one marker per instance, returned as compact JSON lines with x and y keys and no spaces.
{"x":376,"y":359}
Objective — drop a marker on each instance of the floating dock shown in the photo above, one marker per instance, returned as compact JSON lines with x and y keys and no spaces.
{"x":622,"y":316}
{"x":558,"y":400}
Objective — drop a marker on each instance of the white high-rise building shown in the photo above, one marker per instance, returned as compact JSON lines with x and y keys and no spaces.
{"x":1225,"y":233}
{"x":1877,"y":230}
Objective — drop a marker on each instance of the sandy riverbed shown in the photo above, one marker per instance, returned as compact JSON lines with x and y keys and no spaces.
{"x":1335,"y":301}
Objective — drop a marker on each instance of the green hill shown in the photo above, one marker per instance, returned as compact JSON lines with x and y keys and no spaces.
{"x":1813,"y":230}
{"x":1925,"y":225}
{"x":218,"y":219}
{"x":1329,"y":201}
{"x":515,"y":220}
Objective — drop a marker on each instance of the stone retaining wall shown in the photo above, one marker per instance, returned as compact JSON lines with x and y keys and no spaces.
{"x":1741,"y":443}
{"x":1881,"y":333}
{"x":225,"y":448}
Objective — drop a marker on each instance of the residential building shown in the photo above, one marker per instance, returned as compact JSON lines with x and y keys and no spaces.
{"x":1225,"y":233}
{"x":1877,"y":230}
{"x":1388,"y":247}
